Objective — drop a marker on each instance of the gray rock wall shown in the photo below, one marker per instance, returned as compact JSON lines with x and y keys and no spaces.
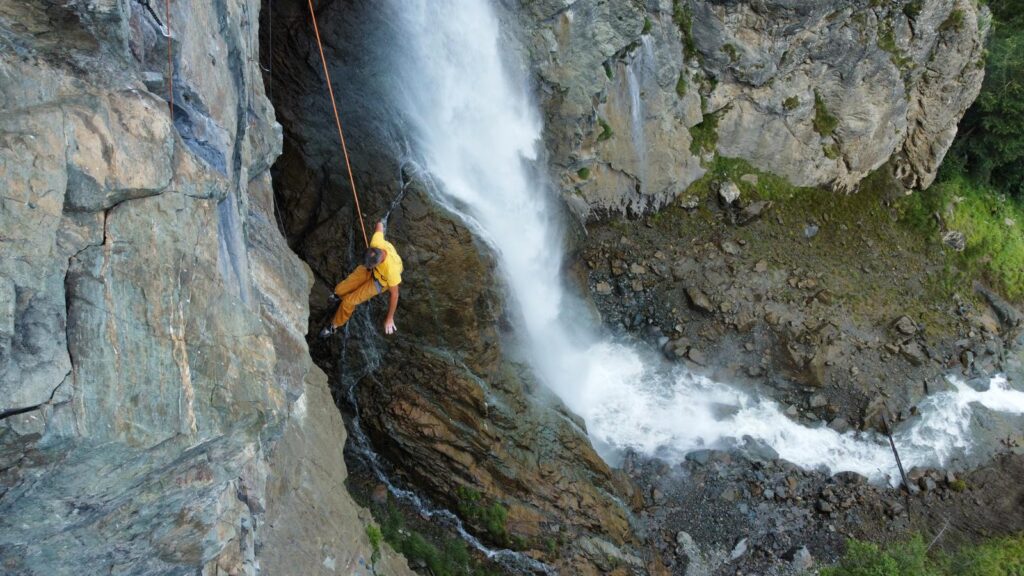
{"x":624,"y":84}
{"x":159,"y":411}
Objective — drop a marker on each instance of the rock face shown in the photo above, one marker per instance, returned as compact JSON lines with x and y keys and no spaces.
{"x":454,"y":416}
{"x":821,"y":93}
{"x":457,"y":417}
{"x":159,"y":411}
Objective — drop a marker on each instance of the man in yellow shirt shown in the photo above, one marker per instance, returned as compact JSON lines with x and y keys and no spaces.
{"x":381,"y":270}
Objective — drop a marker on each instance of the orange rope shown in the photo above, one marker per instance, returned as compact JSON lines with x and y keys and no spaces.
{"x":170,"y":63}
{"x":337,"y":121}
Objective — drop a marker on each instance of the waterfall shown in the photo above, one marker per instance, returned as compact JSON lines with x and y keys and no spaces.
{"x":469,"y":121}
{"x":639,"y":70}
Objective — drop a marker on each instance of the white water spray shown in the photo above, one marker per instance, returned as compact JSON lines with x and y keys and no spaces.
{"x":474,"y":128}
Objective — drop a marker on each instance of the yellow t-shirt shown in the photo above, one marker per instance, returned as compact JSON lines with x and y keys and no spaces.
{"x":388,"y":272}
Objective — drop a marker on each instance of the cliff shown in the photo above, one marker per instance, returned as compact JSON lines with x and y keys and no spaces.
{"x":639,"y":95}
{"x":160,"y":411}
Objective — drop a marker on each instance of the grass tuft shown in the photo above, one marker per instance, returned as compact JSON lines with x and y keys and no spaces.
{"x":606,"y":130}
{"x":681,"y":85}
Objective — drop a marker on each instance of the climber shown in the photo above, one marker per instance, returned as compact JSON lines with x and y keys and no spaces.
{"x":381,"y":269}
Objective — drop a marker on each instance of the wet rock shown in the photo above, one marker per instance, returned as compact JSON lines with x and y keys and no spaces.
{"x":818,"y":401}
{"x":699,"y":456}
{"x":676,"y":349}
{"x":637,"y":269}
{"x":697,"y":357}
{"x":380,"y":494}
{"x":967,"y":359}
{"x":603,"y":288}
{"x":738,"y":550}
{"x":839,"y":424}
{"x":757,"y":450}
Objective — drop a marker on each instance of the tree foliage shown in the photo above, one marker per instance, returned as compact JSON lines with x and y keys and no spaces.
{"x":991,"y":144}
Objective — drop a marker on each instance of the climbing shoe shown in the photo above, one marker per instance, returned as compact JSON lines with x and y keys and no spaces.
{"x":327,"y":332}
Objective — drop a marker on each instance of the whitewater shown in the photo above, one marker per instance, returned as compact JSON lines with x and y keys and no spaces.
{"x":470,"y":121}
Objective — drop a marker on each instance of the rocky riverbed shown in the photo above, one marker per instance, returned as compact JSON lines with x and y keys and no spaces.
{"x":841,"y":314}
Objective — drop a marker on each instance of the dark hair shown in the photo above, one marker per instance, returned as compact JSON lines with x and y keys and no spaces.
{"x":372,"y":257}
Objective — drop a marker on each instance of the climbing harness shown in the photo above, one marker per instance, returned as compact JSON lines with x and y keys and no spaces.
{"x":337,"y":122}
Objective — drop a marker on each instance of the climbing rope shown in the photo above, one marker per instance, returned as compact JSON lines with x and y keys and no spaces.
{"x":337,"y":122}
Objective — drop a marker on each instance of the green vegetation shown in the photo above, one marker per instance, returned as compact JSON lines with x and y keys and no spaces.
{"x":791,"y":103}
{"x":451,"y":558}
{"x":684,"y":20}
{"x":991,"y":140}
{"x":980,"y":188}
{"x":1000,"y":557}
{"x":768,"y":187}
{"x":731,"y":52}
{"x":583,"y":173}
{"x":374,"y":534}
{"x":887,"y":41}
{"x":647,"y":26}
{"x":955,"y":21}
{"x":824,"y":122}
{"x":831,"y":151}
{"x":681,"y":85}
{"x":606,"y":130}
{"x":913,"y":9}
{"x":492,"y":517}
{"x":989,"y":220}
{"x":958,"y":485}
{"x":705,"y":135}
{"x":607,"y":69}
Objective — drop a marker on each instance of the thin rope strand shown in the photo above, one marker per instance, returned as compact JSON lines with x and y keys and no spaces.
{"x":337,"y":122}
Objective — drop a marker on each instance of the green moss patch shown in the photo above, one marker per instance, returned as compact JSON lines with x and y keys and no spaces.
{"x":824,"y":122}
{"x":704,"y":135}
